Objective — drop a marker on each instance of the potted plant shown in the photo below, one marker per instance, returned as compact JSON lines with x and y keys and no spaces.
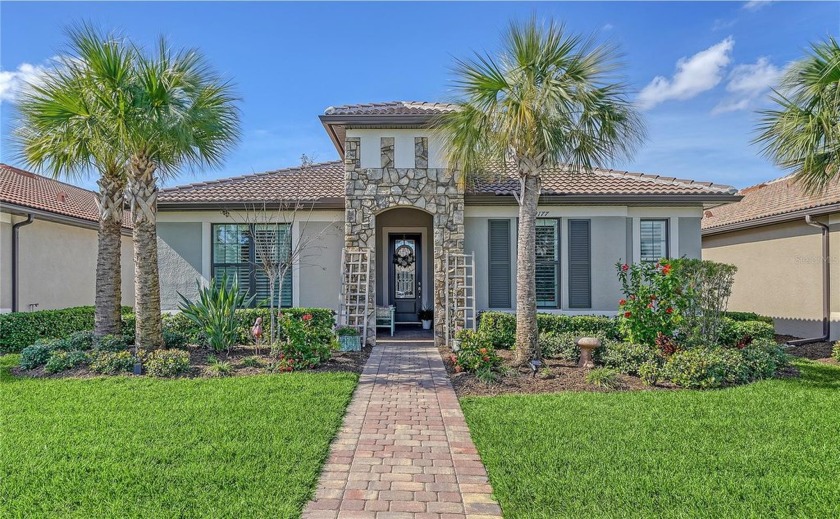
{"x":426,"y":315}
{"x":348,"y":338}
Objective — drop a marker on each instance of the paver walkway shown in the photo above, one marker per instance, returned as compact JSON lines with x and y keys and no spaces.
{"x":404,"y":450}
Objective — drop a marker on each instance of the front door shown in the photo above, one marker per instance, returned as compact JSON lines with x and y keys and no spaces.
{"x":405,"y":276}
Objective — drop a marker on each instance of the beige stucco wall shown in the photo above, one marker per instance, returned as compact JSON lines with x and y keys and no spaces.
{"x":780,"y":273}
{"x":57,"y":265}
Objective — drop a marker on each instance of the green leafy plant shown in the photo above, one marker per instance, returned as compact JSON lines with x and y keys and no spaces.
{"x":742,"y":333}
{"x":35,"y":355}
{"x":252,"y":362}
{"x":218,"y":368}
{"x":476,"y":355}
{"x":347,"y":331}
{"x":706,"y":368}
{"x":603,"y":377}
{"x":304,"y":347}
{"x":763,"y":359}
{"x":167,"y":363}
{"x":500,"y":327}
{"x":835,"y":351}
{"x":112,"y":362}
{"x":21,"y":329}
{"x":650,"y":372}
{"x":174,"y":339}
{"x":215,"y":311}
{"x":64,"y":360}
{"x":705,"y":287}
{"x":80,"y":340}
{"x":649,"y":304}
{"x":110,"y":343}
{"x":426,"y":314}
{"x":627,"y":357}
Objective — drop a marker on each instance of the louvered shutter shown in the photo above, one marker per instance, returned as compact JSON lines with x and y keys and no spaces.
{"x":499,"y":263}
{"x":580,"y":264}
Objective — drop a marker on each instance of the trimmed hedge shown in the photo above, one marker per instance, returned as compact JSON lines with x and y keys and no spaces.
{"x":734,"y":332}
{"x":20,"y":329}
{"x":500,"y":327}
{"x":748,"y":316}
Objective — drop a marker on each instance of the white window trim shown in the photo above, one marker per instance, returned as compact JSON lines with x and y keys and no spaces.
{"x":673,"y":235}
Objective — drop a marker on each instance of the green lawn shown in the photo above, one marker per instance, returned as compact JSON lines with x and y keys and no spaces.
{"x":770,"y":449}
{"x":141,"y":447}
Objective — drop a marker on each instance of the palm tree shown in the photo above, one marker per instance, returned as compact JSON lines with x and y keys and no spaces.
{"x":549,"y":99}
{"x":182,"y":115}
{"x":803,"y":134}
{"x":66,"y":128}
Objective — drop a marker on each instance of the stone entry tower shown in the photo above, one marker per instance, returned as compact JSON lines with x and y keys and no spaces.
{"x":371,"y":190}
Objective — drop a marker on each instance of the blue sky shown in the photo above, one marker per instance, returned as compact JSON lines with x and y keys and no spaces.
{"x":699,"y":69}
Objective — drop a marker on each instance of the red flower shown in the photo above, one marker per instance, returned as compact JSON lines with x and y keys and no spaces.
{"x":666,"y":269}
{"x":650,"y":305}
{"x":625,"y":267}
{"x":627,"y":315}
{"x":307,"y":317}
{"x":669,"y":310}
{"x":485,"y":358}
{"x":622,"y":302}
{"x":483,"y":350}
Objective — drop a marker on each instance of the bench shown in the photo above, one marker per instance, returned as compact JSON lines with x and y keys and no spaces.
{"x":385,"y":317}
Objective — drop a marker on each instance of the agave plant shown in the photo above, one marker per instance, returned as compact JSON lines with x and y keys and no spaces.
{"x":215,"y":311}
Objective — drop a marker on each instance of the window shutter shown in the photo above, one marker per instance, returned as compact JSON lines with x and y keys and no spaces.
{"x":499,"y":261}
{"x":580,"y":264}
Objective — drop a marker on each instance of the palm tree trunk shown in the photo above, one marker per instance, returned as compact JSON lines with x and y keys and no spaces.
{"x":143,"y":197}
{"x":526,"y":284}
{"x":107,"y":315}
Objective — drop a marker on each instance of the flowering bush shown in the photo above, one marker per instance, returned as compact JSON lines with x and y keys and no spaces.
{"x":476,"y":355}
{"x":304,"y":346}
{"x":649,"y":306}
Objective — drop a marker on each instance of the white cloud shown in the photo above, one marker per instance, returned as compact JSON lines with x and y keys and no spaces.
{"x":12,"y":82}
{"x":607,"y":27}
{"x":755,"y":5}
{"x":747,"y":83}
{"x":694,"y":75}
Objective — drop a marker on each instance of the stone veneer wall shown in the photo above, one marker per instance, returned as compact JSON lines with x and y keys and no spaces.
{"x":370,"y":191}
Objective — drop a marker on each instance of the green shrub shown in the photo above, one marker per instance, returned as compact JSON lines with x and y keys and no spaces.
{"x":835,"y":351}
{"x":476,"y":355}
{"x":128,"y":323}
{"x":559,"y":346}
{"x":748,"y":316}
{"x":305,"y":346}
{"x":650,"y":303}
{"x":21,"y":329}
{"x":64,"y":360}
{"x":167,"y":363}
{"x":628,"y":358}
{"x":762,"y":359}
{"x":650,"y":372}
{"x":112,"y":362}
{"x":741,"y":333}
{"x":110,"y":343}
{"x":706,"y":368}
{"x":603,"y":377}
{"x":500,"y":327}
{"x":35,"y":355}
{"x":173,"y":339}
{"x":81,"y":340}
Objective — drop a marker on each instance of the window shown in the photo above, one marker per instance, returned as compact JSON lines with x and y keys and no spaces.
{"x":548,"y":263}
{"x":500,"y":263}
{"x":238,"y":250}
{"x":654,"y":240}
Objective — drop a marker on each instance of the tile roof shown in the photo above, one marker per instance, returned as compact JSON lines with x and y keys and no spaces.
{"x":561,"y":181}
{"x":392,"y":108}
{"x":26,"y":189}
{"x":311,"y":183}
{"x":769,"y":199}
{"x":326,"y":181}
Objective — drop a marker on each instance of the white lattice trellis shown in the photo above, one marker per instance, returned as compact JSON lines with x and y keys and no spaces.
{"x":459,"y":294}
{"x":354,"y":305}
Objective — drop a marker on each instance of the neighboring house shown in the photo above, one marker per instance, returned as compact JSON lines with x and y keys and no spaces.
{"x":51,"y":263}
{"x":392,"y":200}
{"x":778,"y":255}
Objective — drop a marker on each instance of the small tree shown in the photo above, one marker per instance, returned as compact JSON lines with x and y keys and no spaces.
{"x":706,"y":287}
{"x":276,"y":248}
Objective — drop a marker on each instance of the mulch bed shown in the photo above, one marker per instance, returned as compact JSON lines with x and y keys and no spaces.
{"x":352,"y":362}
{"x":561,"y":375}
{"x":820,"y":351}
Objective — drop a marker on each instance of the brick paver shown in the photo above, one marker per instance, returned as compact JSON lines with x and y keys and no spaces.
{"x":404,"y":450}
